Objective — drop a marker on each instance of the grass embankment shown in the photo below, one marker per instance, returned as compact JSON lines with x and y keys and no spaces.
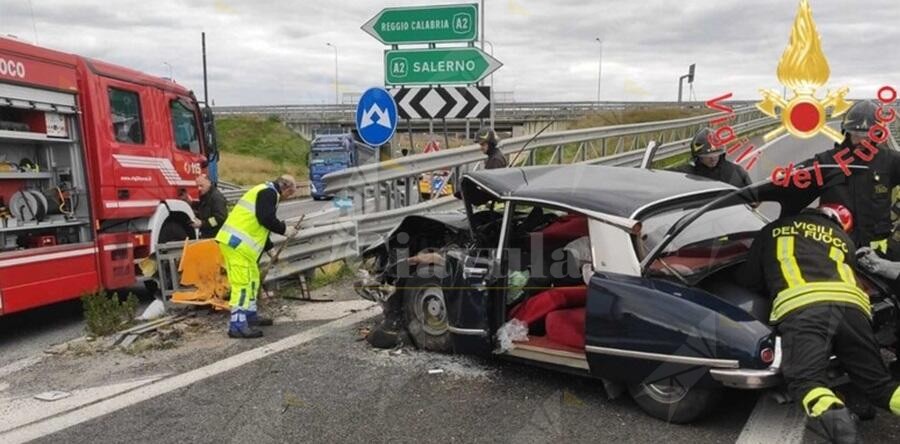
{"x":254,"y":150}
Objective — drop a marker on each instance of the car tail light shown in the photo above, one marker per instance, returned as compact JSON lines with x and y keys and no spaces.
{"x":767,"y":355}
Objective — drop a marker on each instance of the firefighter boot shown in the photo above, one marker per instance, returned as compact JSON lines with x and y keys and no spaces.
{"x":256,"y":320}
{"x":836,"y":425}
{"x":239,"y":328}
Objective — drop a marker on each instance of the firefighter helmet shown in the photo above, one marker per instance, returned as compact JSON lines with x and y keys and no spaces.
{"x":860,"y":117}
{"x":701,"y":146}
{"x":487,"y":135}
{"x":839,"y":214}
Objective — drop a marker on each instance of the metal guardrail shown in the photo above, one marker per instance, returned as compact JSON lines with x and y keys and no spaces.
{"x":324,"y":241}
{"x":314,"y":247}
{"x":235,"y":192}
{"x":391,"y":182}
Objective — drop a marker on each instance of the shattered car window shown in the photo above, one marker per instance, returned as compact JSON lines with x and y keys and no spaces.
{"x":716,"y":237}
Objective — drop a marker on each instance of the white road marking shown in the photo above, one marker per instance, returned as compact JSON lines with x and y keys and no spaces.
{"x":772,"y":422}
{"x":18,"y":412}
{"x":17,"y":366}
{"x":65,"y":420}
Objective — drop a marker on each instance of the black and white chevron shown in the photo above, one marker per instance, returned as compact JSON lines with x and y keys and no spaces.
{"x":464,"y":102}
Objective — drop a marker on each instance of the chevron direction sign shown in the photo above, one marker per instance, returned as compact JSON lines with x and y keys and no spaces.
{"x":437,"y":66}
{"x":464,"y":102}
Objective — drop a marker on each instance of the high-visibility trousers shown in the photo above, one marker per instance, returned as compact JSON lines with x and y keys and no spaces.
{"x":243,"y":278}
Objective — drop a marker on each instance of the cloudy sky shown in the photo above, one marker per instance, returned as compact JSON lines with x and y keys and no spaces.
{"x":274,"y":52}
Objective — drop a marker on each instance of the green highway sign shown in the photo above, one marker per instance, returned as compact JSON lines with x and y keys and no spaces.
{"x":425,"y":24}
{"x":437,"y":66}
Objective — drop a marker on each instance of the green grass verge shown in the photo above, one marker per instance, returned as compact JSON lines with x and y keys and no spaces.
{"x":255,"y":149}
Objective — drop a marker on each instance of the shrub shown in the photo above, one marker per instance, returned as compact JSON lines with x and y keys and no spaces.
{"x":104,"y":314}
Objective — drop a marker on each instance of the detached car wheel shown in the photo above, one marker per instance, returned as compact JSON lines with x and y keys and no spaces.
{"x":671,"y":401}
{"x":426,"y":312}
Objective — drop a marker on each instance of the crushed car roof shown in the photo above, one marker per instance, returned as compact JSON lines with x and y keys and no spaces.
{"x":609,"y":190}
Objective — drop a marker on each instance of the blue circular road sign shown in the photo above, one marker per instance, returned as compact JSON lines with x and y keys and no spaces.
{"x":376,"y":116}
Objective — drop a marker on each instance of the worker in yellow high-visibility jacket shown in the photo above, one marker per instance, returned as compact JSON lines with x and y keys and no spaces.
{"x":242,"y":239}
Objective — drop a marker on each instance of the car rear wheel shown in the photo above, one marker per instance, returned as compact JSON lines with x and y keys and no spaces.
{"x":426,"y":312}
{"x":673,"y":401}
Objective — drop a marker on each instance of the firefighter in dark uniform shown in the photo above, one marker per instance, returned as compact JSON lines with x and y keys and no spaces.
{"x":866,"y":192}
{"x":710,"y":162}
{"x":212,"y":209}
{"x":487,"y":138}
{"x":806,"y":263}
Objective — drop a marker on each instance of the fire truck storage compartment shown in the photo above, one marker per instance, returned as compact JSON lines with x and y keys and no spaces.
{"x":116,"y":259}
{"x":43,"y":187}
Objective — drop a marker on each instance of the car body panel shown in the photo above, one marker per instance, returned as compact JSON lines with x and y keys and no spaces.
{"x":639,"y":327}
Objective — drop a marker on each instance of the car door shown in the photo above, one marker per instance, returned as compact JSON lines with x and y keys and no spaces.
{"x":476,"y":292}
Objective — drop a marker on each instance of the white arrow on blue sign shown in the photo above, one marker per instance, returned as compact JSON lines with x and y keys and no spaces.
{"x":376,"y":116}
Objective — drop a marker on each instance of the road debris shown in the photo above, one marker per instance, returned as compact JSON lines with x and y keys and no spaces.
{"x":127,"y":337}
{"x":291,"y":400}
{"x":155,"y":310}
{"x":53,"y":395}
{"x":436,"y":371}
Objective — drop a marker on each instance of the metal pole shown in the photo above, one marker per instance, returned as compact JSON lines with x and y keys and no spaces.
{"x":336,"y":95}
{"x":205,"y":90}
{"x":482,"y":25}
{"x":599,"y":69}
{"x":492,"y":89}
{"x":171,"y":71}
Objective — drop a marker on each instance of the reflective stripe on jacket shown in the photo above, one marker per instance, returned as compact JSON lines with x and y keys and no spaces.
{"x":241,"y":230}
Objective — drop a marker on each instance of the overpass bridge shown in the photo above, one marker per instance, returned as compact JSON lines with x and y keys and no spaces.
{"x":515,"y":118}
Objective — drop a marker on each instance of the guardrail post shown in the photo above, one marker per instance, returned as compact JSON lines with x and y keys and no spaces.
{"x":377,"y":196}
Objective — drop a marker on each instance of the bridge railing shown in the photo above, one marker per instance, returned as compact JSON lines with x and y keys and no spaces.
{"x":502,"y":111}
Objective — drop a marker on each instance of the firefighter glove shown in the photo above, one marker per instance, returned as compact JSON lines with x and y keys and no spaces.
{"x":871,"y":262}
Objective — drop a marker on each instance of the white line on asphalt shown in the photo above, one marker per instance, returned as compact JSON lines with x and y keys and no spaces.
{"x":52,"y":425}
{"x":18,"y":412}
{"x":17,"y":366}
{"x":773,"y":422}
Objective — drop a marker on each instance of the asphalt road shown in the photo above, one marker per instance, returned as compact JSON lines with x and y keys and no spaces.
{"x":337,"y":389}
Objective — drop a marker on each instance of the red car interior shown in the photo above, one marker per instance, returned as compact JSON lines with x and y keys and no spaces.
{"x":560,"y":310}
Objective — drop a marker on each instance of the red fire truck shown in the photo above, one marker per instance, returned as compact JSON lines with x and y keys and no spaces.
{"x":97,"y":166}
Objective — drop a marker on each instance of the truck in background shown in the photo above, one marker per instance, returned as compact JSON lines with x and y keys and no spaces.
{"x":329,"y":153}
{"x":98,"y":165}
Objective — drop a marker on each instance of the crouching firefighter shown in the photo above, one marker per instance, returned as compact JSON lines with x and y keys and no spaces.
{"x":242,"y":239}
{"x":806,"y":263}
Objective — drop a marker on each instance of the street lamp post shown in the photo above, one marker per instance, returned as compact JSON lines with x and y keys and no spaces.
{"x":492,"y":86}
{"x":599,"y":69}
{"x":336,"y":95}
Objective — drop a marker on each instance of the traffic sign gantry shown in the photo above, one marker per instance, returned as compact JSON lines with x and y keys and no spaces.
{"x":437,"y":66}
{"x":376,"y":116}
{"x":425,"y":24}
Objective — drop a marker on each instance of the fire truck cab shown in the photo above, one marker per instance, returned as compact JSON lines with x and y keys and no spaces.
{"x":98,"y":164}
